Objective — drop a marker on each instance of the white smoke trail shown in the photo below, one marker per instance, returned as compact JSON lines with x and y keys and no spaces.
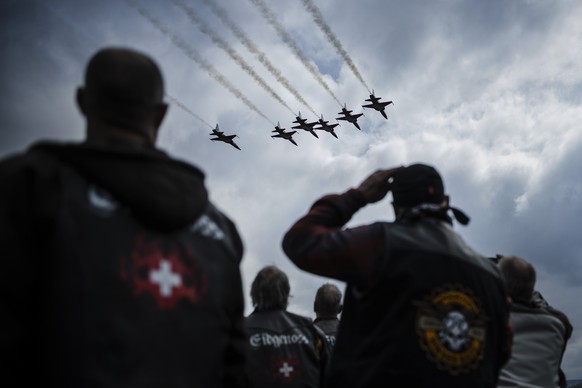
{"x":318,"y":18}
{"x":75,"y":28}
{"x":196,"y":57}
{"x":78,"y":31}
{"x":261,"y":56}
{"x":175,"y":101}
{"x":272,"y":19}
{"x":206,"y":29}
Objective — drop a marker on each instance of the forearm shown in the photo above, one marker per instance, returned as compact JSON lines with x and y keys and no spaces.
{"x":335,"y":210}
{"x":317,"y":244}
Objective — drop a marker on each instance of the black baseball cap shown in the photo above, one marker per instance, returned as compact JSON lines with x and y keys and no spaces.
{"x":417,"y":184}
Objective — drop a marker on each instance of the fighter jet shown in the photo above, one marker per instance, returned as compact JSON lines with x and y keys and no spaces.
{"x":220,"y":136}
{"x":324,"y":126}
{"x":303,"y":124}
{"x":284,"y":135}
{"x":375,"y":103}
{"x":348,"y":116}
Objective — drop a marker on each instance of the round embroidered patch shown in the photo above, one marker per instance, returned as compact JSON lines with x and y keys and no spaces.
{"x":451,"y":327}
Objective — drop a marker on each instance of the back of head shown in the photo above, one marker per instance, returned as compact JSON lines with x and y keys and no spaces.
{"x":328,"y":301}
{"x":419,"y":189}
{"x":417,"y":184}
{"x":122,"y":88}
{"x":270,"y":289}
{"x":519,"y":276}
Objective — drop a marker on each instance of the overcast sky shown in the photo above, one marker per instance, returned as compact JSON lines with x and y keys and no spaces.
{"x":489,"y":92}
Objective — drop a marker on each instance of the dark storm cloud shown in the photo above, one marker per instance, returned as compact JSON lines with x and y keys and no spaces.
{"x":32,"y":72}
{"x":552,"y":213}
{"x":395,"y":35}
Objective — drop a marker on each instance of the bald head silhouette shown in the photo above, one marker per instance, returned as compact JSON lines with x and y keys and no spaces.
{"x":519,"y":276}
{"x":123,"y":92}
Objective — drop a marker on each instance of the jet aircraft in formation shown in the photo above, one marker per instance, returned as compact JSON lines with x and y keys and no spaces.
{"x":348,"y":116}
{"x":220,"y":136}
{"x":310,"y":127}
{"x":375,"y":103}
{"x":303,"y":124}
{"x":284,"y":135}
{"x":324,"y":126}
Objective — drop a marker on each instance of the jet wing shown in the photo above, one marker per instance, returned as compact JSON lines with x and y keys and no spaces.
{"x":232,"y":143}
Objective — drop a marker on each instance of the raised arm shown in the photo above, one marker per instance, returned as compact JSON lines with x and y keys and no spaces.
{"x":318,"y":244}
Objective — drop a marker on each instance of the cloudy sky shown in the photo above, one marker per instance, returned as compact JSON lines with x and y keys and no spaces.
{"x":488,"y":92}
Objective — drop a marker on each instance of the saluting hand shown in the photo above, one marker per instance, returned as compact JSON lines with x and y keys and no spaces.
{"x":376,"y":186}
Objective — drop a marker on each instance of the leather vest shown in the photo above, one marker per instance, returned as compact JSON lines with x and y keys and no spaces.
{"x":434,"y":314}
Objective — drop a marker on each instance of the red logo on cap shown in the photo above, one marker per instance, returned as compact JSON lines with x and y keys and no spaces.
{"x":430,"y":190}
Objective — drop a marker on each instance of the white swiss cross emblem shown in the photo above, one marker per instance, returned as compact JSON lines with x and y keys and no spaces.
{"x":167,"y":272}
{"x":165,"y":278}
{"x":286,"y":370}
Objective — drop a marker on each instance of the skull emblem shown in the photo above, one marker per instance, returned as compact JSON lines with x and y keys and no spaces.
{"x":454,"y":332}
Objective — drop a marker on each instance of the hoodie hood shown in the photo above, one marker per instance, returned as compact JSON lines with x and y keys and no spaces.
{"x":163,"y":194}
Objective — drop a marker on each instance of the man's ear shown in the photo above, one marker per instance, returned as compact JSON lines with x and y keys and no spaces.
{"x":80,"y":99}
{"x":161,"y":111}
{"x":447,"y":200}
{"x":159,"y":115}
{"x":340,"y":309}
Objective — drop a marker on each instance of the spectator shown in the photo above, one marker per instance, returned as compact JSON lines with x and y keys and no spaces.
{"x":117,"y":269}
{"x":540,"y":332}
{"x":421,"y":308}
{"x":286,"y":349}
{"x":327,"y":306}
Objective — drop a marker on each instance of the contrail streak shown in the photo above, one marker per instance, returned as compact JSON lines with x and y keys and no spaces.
{"x":206,"y":29}
{"x":270,"y":17}
{"x":196,"y":57}
{"x":318,"y":18}
{"x":75,"y":28}
{"x":261,"y":57}
{"x":174,"y":100}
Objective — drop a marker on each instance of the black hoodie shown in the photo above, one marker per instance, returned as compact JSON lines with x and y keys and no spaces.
{"x":117,"y":271}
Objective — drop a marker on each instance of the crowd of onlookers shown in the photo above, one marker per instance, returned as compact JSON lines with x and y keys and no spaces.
{"x":118,"y":271}
{"x":296,"y":351}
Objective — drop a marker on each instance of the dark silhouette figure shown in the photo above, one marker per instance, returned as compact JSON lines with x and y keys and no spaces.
{"x":540,"y":332}
{"x":118,"y":271}
{"x":327,"y":306}
{"x":286,"y":349}
{"x":421,"y":308}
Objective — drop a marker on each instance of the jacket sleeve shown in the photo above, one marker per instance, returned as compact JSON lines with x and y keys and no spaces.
{"x":26,"y":197}
{"x":236,"y":372}
{"x":236,"y":369}
{"x":567,"y":334}
{"x":317,"y":243}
